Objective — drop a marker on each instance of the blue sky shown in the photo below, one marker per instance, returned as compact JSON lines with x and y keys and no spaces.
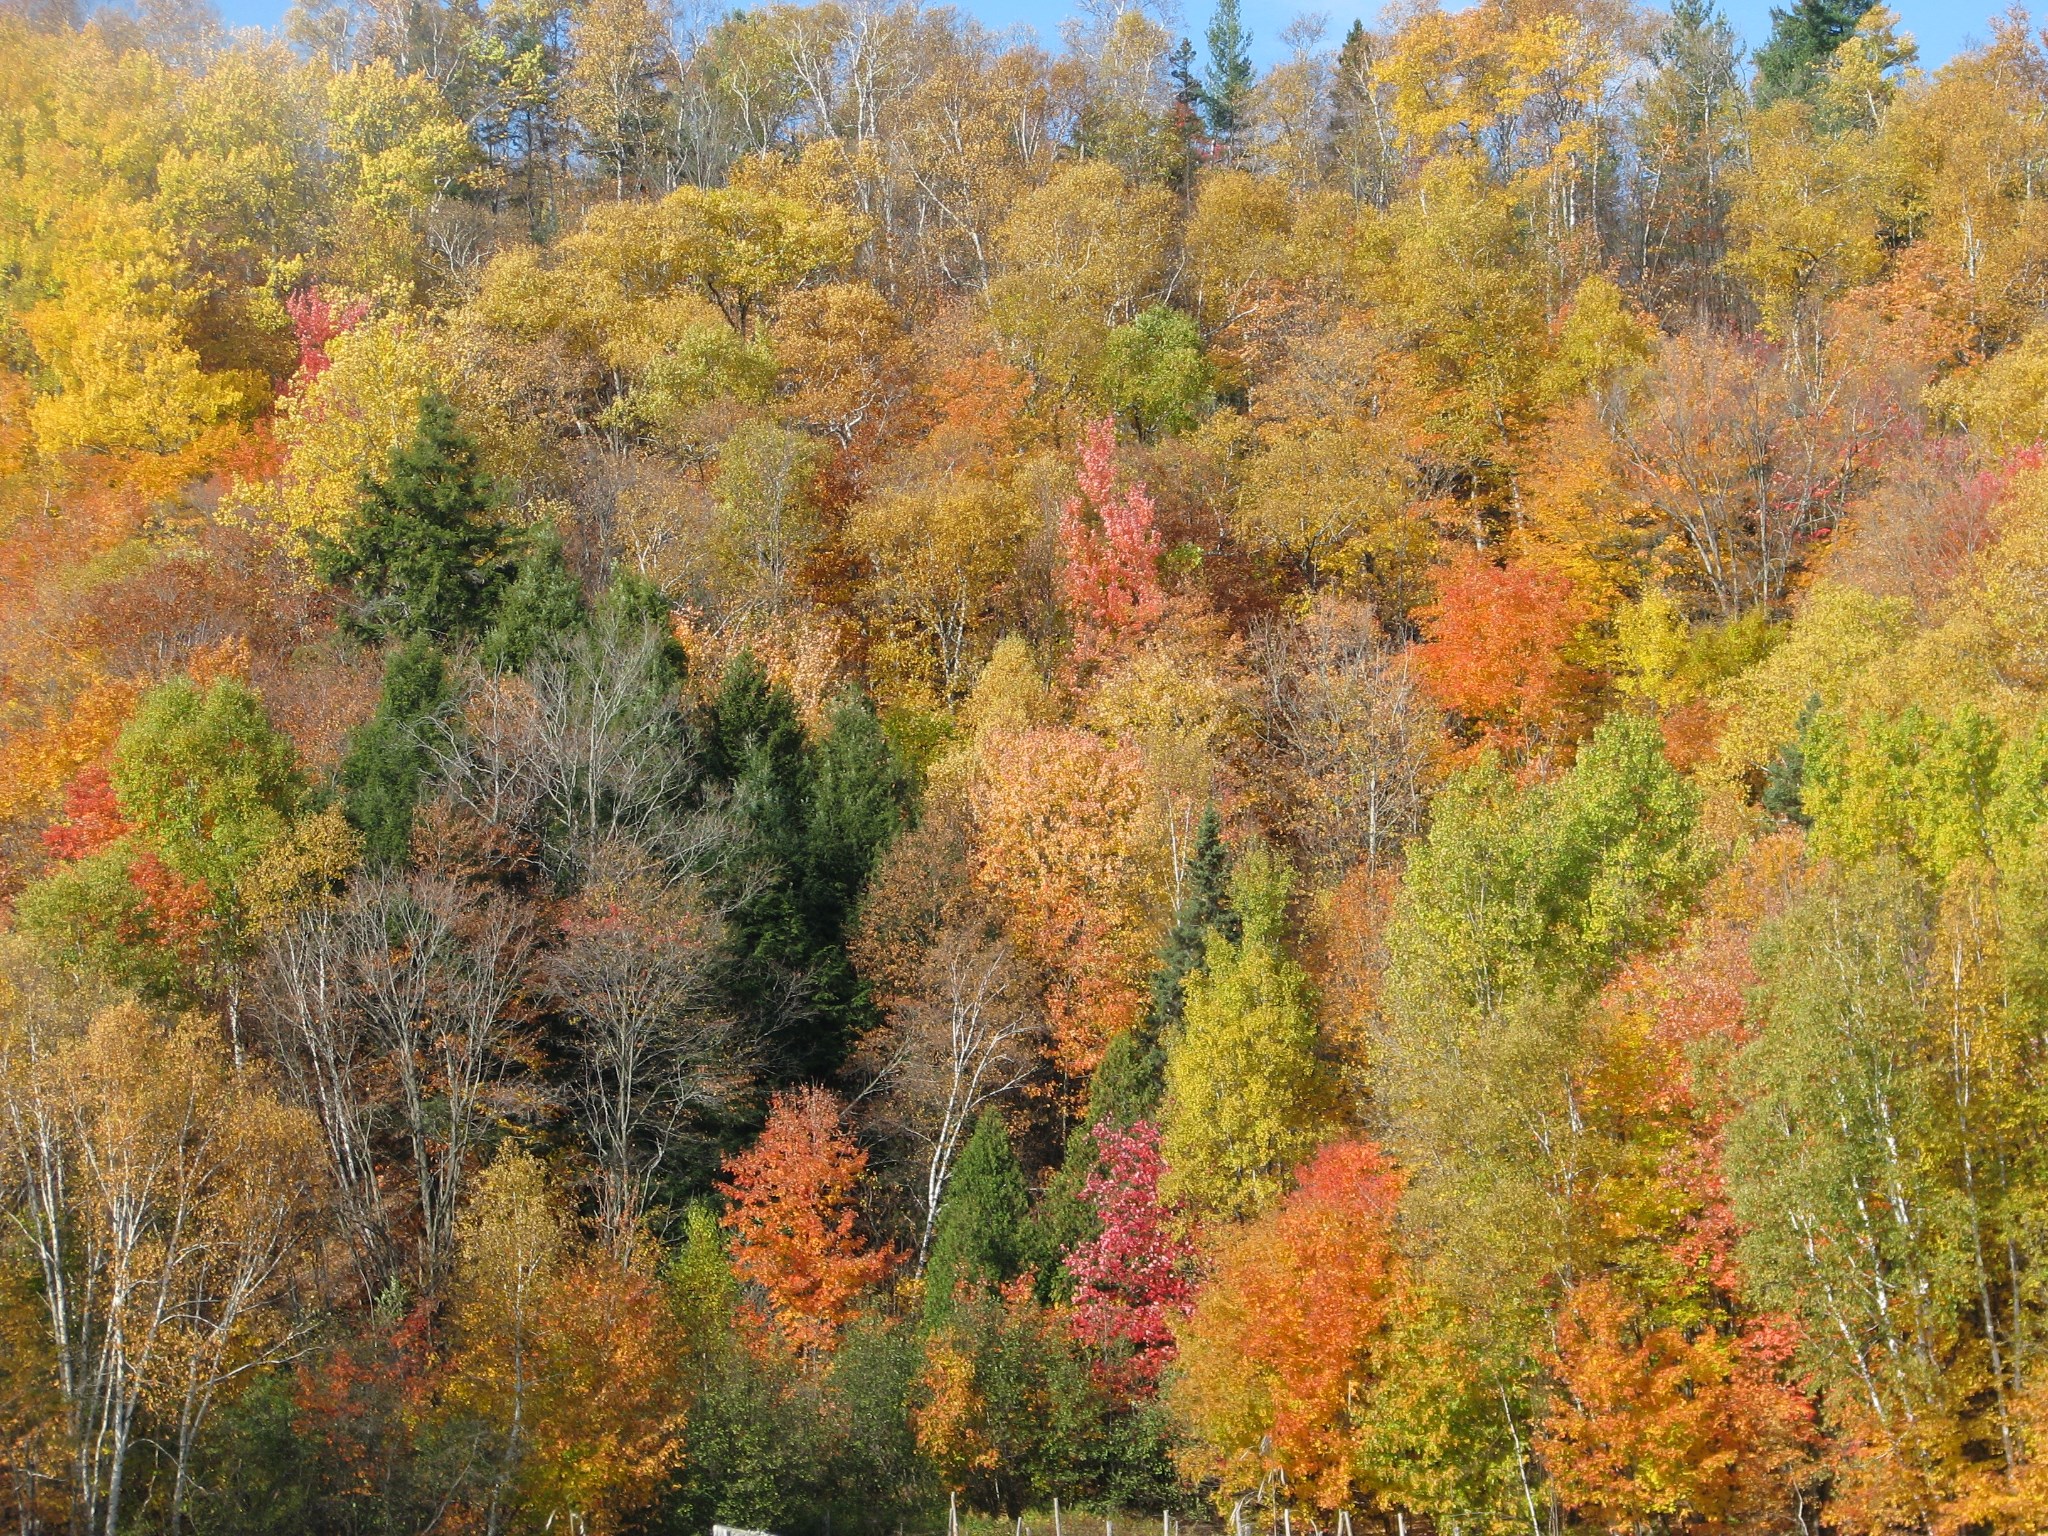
{"x":1942,"y":29}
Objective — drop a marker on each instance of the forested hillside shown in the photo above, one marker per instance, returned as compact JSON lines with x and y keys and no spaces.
{"x":805,"y":767}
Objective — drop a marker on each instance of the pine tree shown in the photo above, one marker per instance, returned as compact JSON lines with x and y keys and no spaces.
{"x":543,"y":604}
{"x":1206,"y":905}
{"x":816,"y":819}
{"x":386,"y":761}
{"x":1227,"y":81}
{"x":1803,"y":39}
{"x":425,"y":552}
{"x":981,"y":1221}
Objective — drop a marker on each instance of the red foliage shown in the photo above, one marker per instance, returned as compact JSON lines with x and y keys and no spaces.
{"x":1109,"y":549}
{"x":359,"y":1404}
{"x":315,"y":324}
{"x":92,"y":817}
{"x":1134,"y":1283}
{"x":181,"y":913}
{"x":793,"y":1218}
{"x":1496,"y":653}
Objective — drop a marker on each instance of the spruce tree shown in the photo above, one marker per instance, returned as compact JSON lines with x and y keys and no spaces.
{"x":1803,"y":39}
{"x":1227,"y":81}
{"x":816,"y":819}
{"x":425,"y":552}
{"x":1205,"y":905}
{"x":978,"y":1237}
{"x":543,"y":605}
{"x":386,"y":762}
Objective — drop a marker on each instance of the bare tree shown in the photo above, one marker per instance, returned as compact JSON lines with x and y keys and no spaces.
{"x":1351,"y":732}
{"x":587,"y":750}
{"x":962,"y":1019}
{"x":435,"y":966}
{"x":321,"y":1043}
{"x":634,"y":976}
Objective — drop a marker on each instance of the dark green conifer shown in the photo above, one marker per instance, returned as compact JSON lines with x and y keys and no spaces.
{"x":979,"y":1234}
{"x":1803,"y":39}
{"x":425,"y":552}
{"x":386,"y":762}
{"x":542,"y":606}
{"x":1227,"y":81}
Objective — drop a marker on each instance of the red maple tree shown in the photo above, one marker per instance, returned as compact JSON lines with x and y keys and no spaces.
{"x":1133,"y":1278}
{"x":1109,"y":554}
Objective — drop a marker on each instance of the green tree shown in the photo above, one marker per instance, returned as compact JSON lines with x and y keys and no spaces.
{"x":206,"y":778}
{"x":1205,"y":905}
{"x":1246,"y":1097}
{"x":543,"y":603}
{"x":424,"y":552}
{"x":1227,"y":79}
{"x":979,"y":1237}
{"x":386,"y":763}
{"x":815,"y":818}
{"x":1154,"y":374}
{"x":1802,"y":41}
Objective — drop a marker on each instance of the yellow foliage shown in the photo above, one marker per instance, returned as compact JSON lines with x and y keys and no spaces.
{"x":344,"y":426}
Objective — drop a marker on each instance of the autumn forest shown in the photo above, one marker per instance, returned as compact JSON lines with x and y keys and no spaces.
{"x":814,"y":768}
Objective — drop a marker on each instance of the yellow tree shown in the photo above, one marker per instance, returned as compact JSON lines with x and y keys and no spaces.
{"x":1061,"y":838}
{"x":160,"y":1194}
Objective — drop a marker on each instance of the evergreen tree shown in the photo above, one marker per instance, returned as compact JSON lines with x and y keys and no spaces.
{"x":816,"y":819}
{"x":1803,"y":39}
{"x":425,"y":552}
{"x":1227,"y":81}
{"x":386,"y":761}
{"x":979,"y":1236}
{"x":543,"y":604}
{"x":1206,"y":905}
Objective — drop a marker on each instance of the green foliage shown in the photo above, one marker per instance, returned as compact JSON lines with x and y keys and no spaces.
{"x":1227,"y":78}
{"x":386,"y":764}
{"x":424,"y":552}
{"x":257,"y":1476}
{"x":1517,"y":891}
{"x":91,"y":916}
{"x":1938,"y":792}
{"x":543,"y":604}
{"x":1048,"y":1418}
{"x":1154,"y":374}
{"x":206,"y":778}
{"x":815,"y":818}
{"x":1205,"y":905}
{"x":977,"y":1240}
{"x":1803,"y":40}
{"x":1246,"y":1097}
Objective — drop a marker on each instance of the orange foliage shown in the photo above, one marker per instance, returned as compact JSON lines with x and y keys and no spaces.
{"x":1060,"y":818}
{"x":1497,"y":654}
{"x":1282,"y":1339}
{"x":793,"y":1219}
{"x":1696,"y":1431}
